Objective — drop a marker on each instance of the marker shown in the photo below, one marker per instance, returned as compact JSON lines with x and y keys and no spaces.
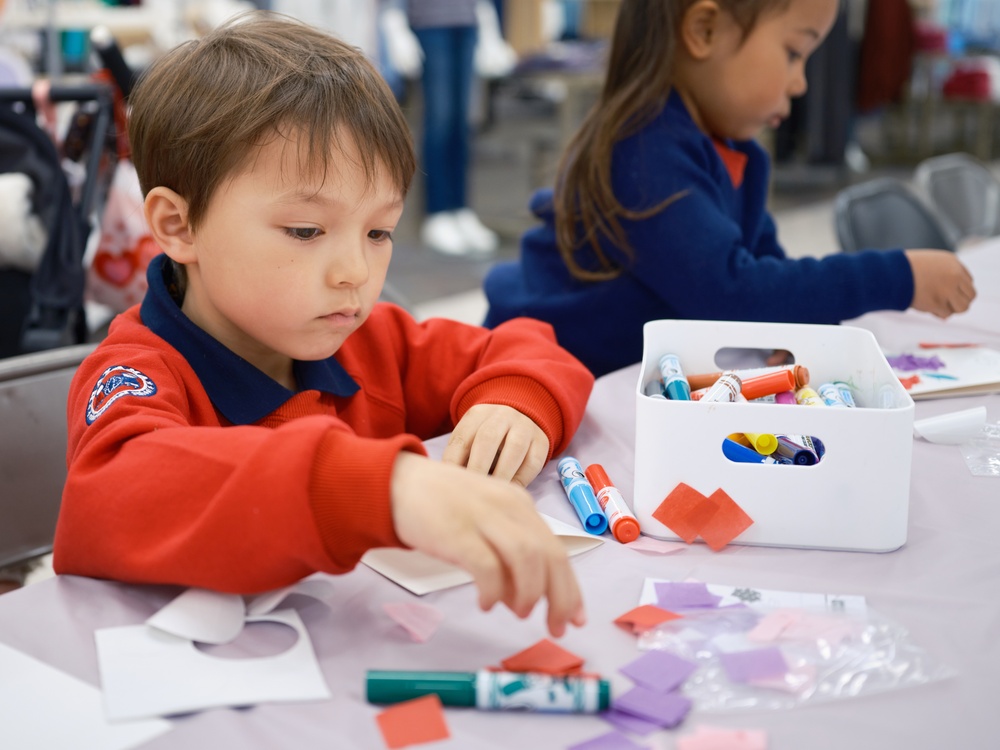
{"x":581,"y":496}
{"x":790,"y":447}
{"x":762,"y":442}
{"x":743,"y":455}
{"x":845,"y":393}
{"x":785,"y":397}
{"x":654,"y":389}
{"x":726,"y":388}
{"x":704,"y":380}
{"x":624,"y":525}
{"x":807,"y":396}
{"x":831,"y":395}
{"x":494,"y":691}
{"x":765,"y":385}
{"x":675,"y":385}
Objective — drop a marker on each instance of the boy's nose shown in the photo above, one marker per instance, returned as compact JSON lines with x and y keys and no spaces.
{"x":798,"y":85}
{"x":349,"y":265}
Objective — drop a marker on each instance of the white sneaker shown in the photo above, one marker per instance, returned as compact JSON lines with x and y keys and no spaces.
{"x":481,"y":239}
{"x":441,"y":232}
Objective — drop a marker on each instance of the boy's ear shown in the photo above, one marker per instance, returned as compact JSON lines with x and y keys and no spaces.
{"x":167,"y":217}
{"x":698,"y":28}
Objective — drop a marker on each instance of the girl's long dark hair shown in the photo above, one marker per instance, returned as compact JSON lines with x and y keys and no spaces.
{"x":637,"y":83}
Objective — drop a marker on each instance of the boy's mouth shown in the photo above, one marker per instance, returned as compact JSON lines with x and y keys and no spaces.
{"x":341,"y":317}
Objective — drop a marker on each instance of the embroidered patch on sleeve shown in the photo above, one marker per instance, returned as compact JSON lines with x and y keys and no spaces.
{"x":115,"y":382}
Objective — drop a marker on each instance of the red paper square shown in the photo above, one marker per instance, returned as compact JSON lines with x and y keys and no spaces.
{"x":413,"y":722}
{"x":728,"y":522}
{"x":685,"y":511}
{"x":645,"y":617}
{"x":545,"y":656}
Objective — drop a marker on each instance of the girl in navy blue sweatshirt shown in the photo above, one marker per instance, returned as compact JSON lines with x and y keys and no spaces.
{"x":660,"y":206}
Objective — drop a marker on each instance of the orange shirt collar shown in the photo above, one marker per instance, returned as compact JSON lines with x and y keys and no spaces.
{"x":735,"y":161}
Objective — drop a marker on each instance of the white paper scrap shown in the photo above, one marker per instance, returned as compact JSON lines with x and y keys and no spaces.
{"x":147,"y":672}
{"x":202,"y":615}
{"x":43,"y":707}
{"x":953,"y":428}
{"x":422,"y":574}
{"x":316,"y":588}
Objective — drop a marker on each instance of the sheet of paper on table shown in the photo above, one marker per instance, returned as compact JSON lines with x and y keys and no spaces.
{"x":943,"y":372}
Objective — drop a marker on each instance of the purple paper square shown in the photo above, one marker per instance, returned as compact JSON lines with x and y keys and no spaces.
{"x":611,"y":741}
{"x":756,"y":664}
{"x":628,"y":722}
{"x":659,"y":670}
{"x":673,"y":596}
{"x":666,"y":709}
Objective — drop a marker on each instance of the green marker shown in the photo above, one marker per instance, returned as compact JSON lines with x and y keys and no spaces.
{"x":494,"y":691}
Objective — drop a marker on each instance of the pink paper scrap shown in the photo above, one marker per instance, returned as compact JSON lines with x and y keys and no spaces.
{"x":628,"y":722}
{"x":666,"y":709}
{"x":656,"y":546}
{"x":755,"y":664}
{"x":798,"y":680}
{"x":714,"y":738}
{"x":687,"y":595}
{"x":659,"y":670}
{"x":420,"y":620}
{"x":613,"y":740}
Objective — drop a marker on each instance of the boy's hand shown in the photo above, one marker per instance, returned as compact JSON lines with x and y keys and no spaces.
{"x":490,"y":528}
{"x":498,"y":440}
{"x":941,"y":284}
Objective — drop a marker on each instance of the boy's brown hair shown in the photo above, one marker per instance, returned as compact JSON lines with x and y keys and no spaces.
{"x":202,"y":110}
{"x":640,"y":75}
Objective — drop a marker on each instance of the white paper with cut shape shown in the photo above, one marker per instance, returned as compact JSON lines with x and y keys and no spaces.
{"x":422,"y":574}
{"x":43,"y":707}
{"x":953,"y":428}
{"x":147,"y":672}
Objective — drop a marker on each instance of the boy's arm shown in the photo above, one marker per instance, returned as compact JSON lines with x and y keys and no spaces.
{"x":447,"y":368}
{"x":156,"y":494}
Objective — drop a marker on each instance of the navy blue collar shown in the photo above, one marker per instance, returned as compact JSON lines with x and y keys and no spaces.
{"x":241,"y":392}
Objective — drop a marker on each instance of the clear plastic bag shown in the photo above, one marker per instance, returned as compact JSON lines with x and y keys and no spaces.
{"x":982,"y":453}
{"x":831,"y":653}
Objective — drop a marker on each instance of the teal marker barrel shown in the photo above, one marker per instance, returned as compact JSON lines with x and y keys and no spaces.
{"x":493,"y":691}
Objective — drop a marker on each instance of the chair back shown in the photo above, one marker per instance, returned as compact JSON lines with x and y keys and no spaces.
{"x":33,"y":392}
{"x":885,"y":213}
{"x":964,"y":191}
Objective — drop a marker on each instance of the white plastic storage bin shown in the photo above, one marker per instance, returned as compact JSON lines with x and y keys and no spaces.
{"x":855,"y":498}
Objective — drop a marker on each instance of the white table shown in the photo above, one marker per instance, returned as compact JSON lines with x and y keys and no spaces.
{"x":943,"y":585}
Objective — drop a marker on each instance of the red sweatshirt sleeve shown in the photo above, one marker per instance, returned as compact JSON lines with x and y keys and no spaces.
{"x":159,"y":492}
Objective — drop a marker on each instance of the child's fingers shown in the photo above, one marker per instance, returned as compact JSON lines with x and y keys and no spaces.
{"x":565,"y":600}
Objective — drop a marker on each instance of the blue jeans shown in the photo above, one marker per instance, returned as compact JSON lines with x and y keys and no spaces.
{"x":447,"y":89}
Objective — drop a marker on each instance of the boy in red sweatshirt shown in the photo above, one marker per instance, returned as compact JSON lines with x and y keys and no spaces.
{"x":260,"y":415}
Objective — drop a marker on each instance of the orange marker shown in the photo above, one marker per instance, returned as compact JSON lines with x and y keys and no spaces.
{"x":768,"y":384}
{"x":624,"y":525}
{"x":800,"y":373}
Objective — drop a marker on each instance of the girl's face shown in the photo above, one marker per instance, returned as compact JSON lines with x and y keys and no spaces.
{"x":740,"y":85}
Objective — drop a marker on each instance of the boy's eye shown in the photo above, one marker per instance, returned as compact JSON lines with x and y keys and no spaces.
{"x":302,"y":233}
{"x":380,"y":235}
{"x":794,"y":56}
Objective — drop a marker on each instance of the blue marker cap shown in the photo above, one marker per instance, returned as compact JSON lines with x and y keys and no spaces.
{"x":581,"y":496}
{"x":741,"y":454}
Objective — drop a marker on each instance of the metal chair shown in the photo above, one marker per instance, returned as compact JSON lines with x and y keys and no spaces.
{"x":964,"y":191}
{"x":33,"y":391}
{"x":885,"y":213}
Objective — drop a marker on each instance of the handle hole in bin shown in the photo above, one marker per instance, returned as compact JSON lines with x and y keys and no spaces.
{"x":773,"y":449}
{"x":742,"y":358}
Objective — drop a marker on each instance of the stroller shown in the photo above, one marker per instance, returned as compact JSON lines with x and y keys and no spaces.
{"x":43,"y":309}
